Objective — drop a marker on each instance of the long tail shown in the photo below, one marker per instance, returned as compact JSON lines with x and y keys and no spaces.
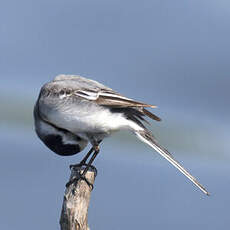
{"x":147,"y":137}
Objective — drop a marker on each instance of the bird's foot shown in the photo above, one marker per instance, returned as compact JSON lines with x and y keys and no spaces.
{"x":81,"y":176}
{"x":76,"y":179}
{"x":77,"y":166}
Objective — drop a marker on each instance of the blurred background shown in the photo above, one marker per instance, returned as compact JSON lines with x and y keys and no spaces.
{"x":174,"y":54}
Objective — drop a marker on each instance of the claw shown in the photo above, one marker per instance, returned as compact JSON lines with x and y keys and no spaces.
{"x":82,"y":175}
{"x":84,"y":164}
{"x":92,"y":167}
{"x":87,"y":182}
{"x":75,"y":180}
{"x":75,"y":165}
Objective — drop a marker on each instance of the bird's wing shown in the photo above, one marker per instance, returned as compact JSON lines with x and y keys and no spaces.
{"x":100,"y":94}
{"x":113,"y":99}
{"x":109,"y":98}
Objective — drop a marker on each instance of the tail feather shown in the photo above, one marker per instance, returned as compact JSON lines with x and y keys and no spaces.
{"x":147,"y":137}
{"x":151,"y":115}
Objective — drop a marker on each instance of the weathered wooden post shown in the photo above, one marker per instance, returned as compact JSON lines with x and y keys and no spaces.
{"x":74,"y":214}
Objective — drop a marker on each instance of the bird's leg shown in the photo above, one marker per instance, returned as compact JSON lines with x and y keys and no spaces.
{"x":95,"y":148}
{"x":82,"y":175}
{"x":83,"y":161}
{"x":96,"y":151}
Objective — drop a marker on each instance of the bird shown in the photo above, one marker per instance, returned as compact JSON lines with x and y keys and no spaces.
{"x":72,"y":111}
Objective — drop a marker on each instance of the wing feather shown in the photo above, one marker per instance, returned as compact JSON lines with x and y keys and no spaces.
{"x":151,"y":115}
{"x":110,"y":98}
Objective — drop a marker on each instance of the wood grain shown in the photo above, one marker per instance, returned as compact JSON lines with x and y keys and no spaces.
{"x":74,"y":214}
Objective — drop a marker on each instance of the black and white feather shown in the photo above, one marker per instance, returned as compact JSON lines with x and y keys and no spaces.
{"x":72,"y":111}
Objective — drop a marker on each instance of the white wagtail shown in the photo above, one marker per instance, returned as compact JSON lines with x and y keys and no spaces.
{"x":72,"y":111}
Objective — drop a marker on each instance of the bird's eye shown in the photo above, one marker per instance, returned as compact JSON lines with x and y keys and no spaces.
{"x":62,"y":92}
{"x":68,"y":92}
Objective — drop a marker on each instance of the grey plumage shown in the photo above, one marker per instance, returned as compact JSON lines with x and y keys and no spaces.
{"x":72,"y":111}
